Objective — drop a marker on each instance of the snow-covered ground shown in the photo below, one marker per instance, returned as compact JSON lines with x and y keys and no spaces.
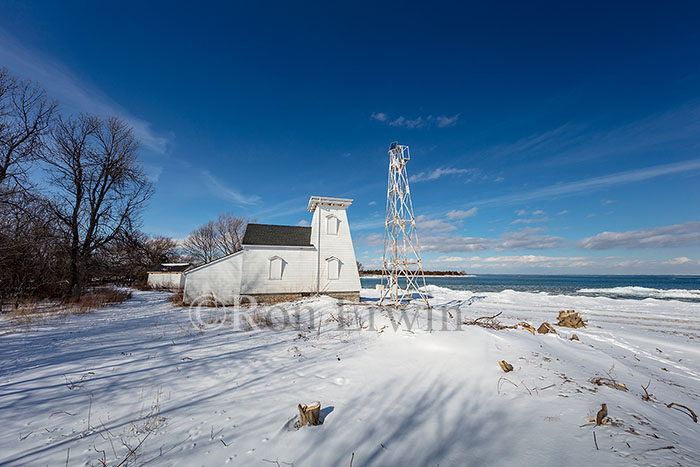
{"x":141,"y":377}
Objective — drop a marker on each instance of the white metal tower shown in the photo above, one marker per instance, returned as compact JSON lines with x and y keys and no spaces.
{"x":402,"y":270}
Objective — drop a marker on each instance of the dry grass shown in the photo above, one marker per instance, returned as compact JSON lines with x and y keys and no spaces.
{"x":98,"y":298}
{"x":177,"y":298}
{"x":31,"y":310}
{"x":262,"y":320}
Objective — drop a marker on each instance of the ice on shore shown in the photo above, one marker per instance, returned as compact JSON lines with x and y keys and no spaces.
{"x":396,"y":389}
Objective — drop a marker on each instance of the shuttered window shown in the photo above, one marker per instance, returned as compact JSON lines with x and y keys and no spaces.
{"x":332,"y":225}
{"x":334,"y":266}
{"x":276,"y":268}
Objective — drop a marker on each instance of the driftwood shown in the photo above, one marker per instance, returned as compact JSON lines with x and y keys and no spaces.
{"x":527,"y":327}
{"x":570,"y":319}
{"x":609,"y":382}
{"x":505,"y":366}
{"x":309,"y":415}
{"x":574,"y":337}
{"x":546,"y":328}
{"x":489,"y":322}
{"x":692,"y":414}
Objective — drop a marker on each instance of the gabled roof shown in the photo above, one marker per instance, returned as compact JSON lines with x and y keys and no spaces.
{"x":277,"y":235}
{"x":170,"y":267}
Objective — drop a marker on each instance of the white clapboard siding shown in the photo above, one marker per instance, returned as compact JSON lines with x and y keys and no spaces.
{"x":220,"y":279}
{"x":298,"y":273}
{"x":335,"y":246}
{"x":164,"y":280}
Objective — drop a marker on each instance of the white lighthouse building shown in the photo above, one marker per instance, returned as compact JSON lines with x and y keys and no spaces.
{"x":281,"y":262}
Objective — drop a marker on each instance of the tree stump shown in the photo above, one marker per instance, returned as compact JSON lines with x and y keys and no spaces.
{"x":309,"y":414}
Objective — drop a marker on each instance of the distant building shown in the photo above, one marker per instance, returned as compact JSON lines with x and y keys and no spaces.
{"x":167,"y":276}
{"x":280,"y":262}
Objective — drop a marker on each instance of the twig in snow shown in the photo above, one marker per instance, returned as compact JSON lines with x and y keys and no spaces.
{"x":647,"y":397}
{"x":133,"y":451}
{"x":352,"y":458}
{"x":498,"y":385}
{"x":692,"y":414}
{"x":67,"y":456}
{"x":596,"y":442}
{"x":276,"y":461}
{"x":222,"y":442}
{"x":25,"y":437}
{"x":659,"y":449}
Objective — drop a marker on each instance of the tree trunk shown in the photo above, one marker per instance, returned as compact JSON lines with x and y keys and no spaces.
{"x":77,"y":277}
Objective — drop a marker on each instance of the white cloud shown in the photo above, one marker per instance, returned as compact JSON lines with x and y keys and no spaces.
{"x":372,"y":203}
{"x":460,"y":214}
{"x":404,"y":122}
{"x":530,"y":220}
{"x":373,"y":239}
{"x":303,"y":223}
{"x":561,"y":213}
{"x":444,"y":122}
{"x":437,"y":173}
{"x":451,"y":259}
{"x":440,"y":121}
{"x":521,"y":212}
{"x":220,"y":190}
{"x":679,"y":260}
{"x":671,"y":236}
{"x":596,"y":183}
{"x":539,"y":212}
{"x":73,"y":94}
{"x":426,"y":224}
{"x":570,"y":264}
{"x":526,"y":239}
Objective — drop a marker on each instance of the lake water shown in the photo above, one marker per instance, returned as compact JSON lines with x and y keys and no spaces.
{"x":686,"y":288}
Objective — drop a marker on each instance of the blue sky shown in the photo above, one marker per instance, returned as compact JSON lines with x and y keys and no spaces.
{"x":545,"y":138}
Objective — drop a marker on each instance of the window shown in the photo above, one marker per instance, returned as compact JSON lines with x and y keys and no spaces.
{"x":332,"y":225}
{"x":276,"y":268}
{"x":334,"y":265}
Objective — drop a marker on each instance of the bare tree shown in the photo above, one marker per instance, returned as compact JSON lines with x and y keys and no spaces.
{"x":31,"y":259}
{"x":230,"y":230}
{"x":25,"y":117}
{"x":130,"y":255}
{"x":201,"y":244}
{"x":97,"y":186}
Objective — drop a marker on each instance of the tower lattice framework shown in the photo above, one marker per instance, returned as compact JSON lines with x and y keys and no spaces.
{"x":402,"y":270}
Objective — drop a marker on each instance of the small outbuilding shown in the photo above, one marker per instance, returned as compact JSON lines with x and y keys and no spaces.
{"x":283,"y":262}
{"x":168,"y":276}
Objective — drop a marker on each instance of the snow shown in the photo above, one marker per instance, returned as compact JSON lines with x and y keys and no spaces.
{"x":692,"y":294}
{"x":417,"y":390}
